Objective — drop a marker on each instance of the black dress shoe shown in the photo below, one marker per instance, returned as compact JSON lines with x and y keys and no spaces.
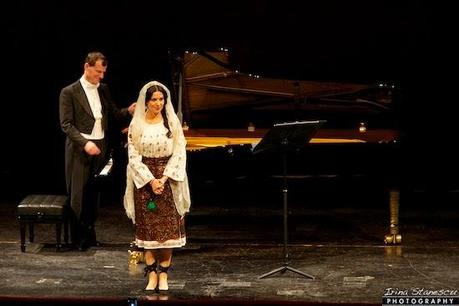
{"x":95,"y":243}
{"x":83,"y":246}
{"x":73,"y":245}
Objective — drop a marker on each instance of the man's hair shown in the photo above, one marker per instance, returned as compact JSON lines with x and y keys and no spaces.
{"x":93,"y":57}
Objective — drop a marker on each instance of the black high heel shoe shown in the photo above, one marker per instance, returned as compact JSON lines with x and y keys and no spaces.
{"x":147,"y":270}
{"x":163,"y":270}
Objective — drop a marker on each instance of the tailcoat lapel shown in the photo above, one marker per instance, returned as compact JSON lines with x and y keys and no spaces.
{"x":82,"y":99}
{"x":103,"y":101}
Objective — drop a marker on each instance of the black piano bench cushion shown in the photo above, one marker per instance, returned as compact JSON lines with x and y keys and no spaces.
{"x":41,"y":205}
{"x":42,"y":208}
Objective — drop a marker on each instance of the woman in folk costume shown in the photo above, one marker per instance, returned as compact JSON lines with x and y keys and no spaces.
{"x":157,"y":193}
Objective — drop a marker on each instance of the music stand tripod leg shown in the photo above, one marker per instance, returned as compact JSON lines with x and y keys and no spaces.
{"x":281,"y":270}
{"x":299,"y":272}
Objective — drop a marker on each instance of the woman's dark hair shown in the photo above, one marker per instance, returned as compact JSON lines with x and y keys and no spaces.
{"x":148,"y":96}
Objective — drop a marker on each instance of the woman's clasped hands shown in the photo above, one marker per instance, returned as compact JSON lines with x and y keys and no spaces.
{"x":157,"y":185}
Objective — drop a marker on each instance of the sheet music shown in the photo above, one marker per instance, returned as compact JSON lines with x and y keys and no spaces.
{"x":108,"y":167}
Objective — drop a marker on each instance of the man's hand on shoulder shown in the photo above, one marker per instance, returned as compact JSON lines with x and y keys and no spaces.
{"x":131,"y":108}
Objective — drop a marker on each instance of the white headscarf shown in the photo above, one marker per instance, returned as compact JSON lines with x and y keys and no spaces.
{"x":138,"y":123}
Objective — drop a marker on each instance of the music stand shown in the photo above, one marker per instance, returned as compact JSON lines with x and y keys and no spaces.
{"x":284,"y":138}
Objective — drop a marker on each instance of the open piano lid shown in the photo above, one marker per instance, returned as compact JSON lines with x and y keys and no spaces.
{"x":211,"y":84}
{"x":219,"y":100}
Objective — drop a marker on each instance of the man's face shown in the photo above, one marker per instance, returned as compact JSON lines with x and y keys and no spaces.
{"x":94,"y":74}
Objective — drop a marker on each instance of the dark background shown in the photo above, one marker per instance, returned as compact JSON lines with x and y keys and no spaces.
{"x":409,"y":43}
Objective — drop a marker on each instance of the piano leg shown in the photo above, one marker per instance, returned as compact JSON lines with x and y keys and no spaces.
{"x":394,"y":203}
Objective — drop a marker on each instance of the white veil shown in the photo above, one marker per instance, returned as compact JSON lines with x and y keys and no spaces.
{"x":138,"y":121}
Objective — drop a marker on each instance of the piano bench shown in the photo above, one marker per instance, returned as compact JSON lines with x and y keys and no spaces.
{"x":40,"y":208}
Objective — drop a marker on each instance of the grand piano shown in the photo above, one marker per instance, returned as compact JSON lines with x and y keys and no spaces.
{"x":225,"y":113}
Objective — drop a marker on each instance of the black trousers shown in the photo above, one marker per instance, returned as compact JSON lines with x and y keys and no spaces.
{"x":84,"y":193}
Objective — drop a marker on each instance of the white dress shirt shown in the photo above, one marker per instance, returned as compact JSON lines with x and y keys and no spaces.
{"x":96,"y":107}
